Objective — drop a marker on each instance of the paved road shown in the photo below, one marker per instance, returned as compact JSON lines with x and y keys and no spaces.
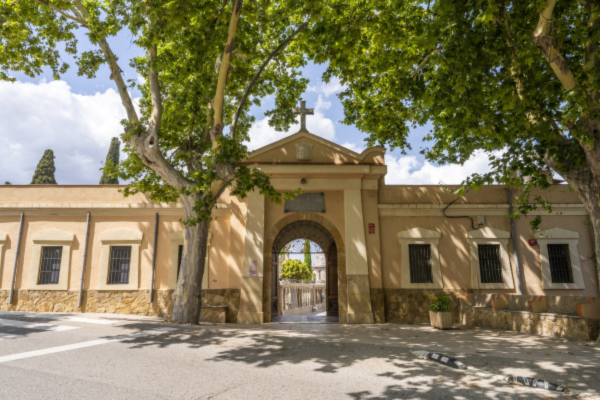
{"x":100,"y":356}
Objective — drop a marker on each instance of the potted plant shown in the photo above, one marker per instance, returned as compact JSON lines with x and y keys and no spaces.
{"x":440,"y":311}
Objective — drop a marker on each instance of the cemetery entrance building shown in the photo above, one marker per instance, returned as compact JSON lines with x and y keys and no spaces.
{"x":384,"y":248}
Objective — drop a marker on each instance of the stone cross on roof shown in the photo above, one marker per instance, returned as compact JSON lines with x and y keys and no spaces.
{"x":303,"y":112}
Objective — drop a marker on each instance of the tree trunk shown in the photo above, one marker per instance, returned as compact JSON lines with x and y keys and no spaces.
{"x":187,"y":296}
{"x":587,"y":187}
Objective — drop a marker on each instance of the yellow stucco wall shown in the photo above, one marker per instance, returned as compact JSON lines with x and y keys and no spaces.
{"x":392,"y":208}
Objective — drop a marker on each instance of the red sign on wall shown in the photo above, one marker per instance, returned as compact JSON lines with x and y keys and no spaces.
{"x":532,"y":242}
{"x":371,"y":229}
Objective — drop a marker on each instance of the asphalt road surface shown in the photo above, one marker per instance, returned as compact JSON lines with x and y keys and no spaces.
{"x":107,"y":356}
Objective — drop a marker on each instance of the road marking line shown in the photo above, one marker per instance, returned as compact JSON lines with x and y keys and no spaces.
{"x":35,"y":325}
{"x":75,"y":346}
{"x":70,"y":318}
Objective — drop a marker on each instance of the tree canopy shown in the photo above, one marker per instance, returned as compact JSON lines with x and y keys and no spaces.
{"x":44,"y":172}
{"x":519,"y":80}
{"x":295,"y":269}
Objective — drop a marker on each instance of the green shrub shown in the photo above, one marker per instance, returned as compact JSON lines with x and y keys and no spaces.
{"x":440,"y":304}
{"x":295,"y":269}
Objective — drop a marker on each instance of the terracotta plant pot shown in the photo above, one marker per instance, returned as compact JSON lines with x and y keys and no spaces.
{"x":441,"y":320}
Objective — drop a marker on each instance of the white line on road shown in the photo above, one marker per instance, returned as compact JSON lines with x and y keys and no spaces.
{"x":69,"y":318}
{"x":35,"y":325}
{"x":75,"y":346}
{"x":62,"y":317}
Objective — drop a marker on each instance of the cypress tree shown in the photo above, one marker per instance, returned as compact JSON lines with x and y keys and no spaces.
{"x":44,"y":173}
{"x":112,"y":160}
{"x":307,"y":254}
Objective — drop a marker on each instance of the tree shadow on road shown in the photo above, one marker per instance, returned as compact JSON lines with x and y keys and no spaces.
{"x":384,"y":353}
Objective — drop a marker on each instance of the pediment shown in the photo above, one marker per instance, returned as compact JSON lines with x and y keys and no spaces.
{"x":53,"y":235}
{"x":306,"y":148}
{"x":556,"y":233}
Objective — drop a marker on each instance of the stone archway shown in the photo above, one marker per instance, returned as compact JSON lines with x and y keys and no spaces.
{"x":322,"y":237}
{"x":323,"y":232}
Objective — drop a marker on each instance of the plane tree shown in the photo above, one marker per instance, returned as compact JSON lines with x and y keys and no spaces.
{"x":204,"y":64}
{"x":519,"y":80}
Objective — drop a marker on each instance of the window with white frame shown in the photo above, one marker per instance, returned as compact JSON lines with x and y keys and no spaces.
{"x":490,"y":263}
{"x":51,"y":260}
{"x":420,"y":259}
{"x":559,"y":259}
{"x":120,"y":260}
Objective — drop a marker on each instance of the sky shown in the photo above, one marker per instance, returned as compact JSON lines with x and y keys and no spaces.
{"x":76,"y":117}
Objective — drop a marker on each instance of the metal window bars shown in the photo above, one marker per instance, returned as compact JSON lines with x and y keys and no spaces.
{"x":490,"y":267}
{"x":420,"y":263}
{"x":120,"y":260}
{"x":560,"y":263}
{"x":50,"y":268}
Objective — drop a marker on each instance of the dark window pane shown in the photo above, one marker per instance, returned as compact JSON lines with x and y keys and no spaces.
{"x":50,"y":269}
{"x":490,"y":267}
{"x":420,"y":263}
{"x":120,"y":259}
{"x":560,"y":263}
{"x":179,"y":258}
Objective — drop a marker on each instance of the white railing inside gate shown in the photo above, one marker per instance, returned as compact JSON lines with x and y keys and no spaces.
{"x":293,"y":295}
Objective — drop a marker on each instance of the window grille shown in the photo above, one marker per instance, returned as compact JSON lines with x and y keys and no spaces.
{"x":420,"y":263}
{"x":120,"y":260}
{"x":490,"y":267}
{"x":179,"y":258}
{"x":50,"y":269}
{"x":560,"y":263}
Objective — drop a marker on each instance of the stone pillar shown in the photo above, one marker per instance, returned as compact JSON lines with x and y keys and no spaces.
{"x":357,"y":269}
{"x":251,"y":309}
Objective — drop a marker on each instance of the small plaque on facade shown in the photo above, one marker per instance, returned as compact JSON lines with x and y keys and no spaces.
{"x":306,"y":202}
{"x":253,"y":270}
{"x":304,"y":151}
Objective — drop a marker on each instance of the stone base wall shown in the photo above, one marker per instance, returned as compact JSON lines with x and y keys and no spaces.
{"x":219,"y":297}
{"x":410,"y":306}
{"x":136,"y":302}
{"x":566,"y":326}
{"x":564,"y":305}
{"x":378,"y":305}
{"x":99,"y":301}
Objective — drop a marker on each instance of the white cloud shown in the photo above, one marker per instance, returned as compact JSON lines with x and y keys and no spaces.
{"x":409,"y":170}
{"x":327,"y":89}
{"x":354,"y":147}
{"x":49,"y":115}
{"x":261,"y":134}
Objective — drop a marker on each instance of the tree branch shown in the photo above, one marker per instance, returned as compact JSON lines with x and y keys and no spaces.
{"x":64,"y":14}
{"x":426,"y":60}
{"x":543,"y":40}
{"x":256,"y":77}
{"x":115,"y":71}
{"x":217,"y":129}
{"x":155,"y":96}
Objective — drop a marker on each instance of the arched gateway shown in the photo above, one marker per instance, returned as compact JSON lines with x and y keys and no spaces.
{"x":322,"y":237}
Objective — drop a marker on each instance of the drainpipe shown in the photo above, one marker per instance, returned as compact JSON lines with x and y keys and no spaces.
{"x":14,"y":275}
{"x":513,"y":234}
{"x":85,"y":247}
{"x":153,"y":257}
